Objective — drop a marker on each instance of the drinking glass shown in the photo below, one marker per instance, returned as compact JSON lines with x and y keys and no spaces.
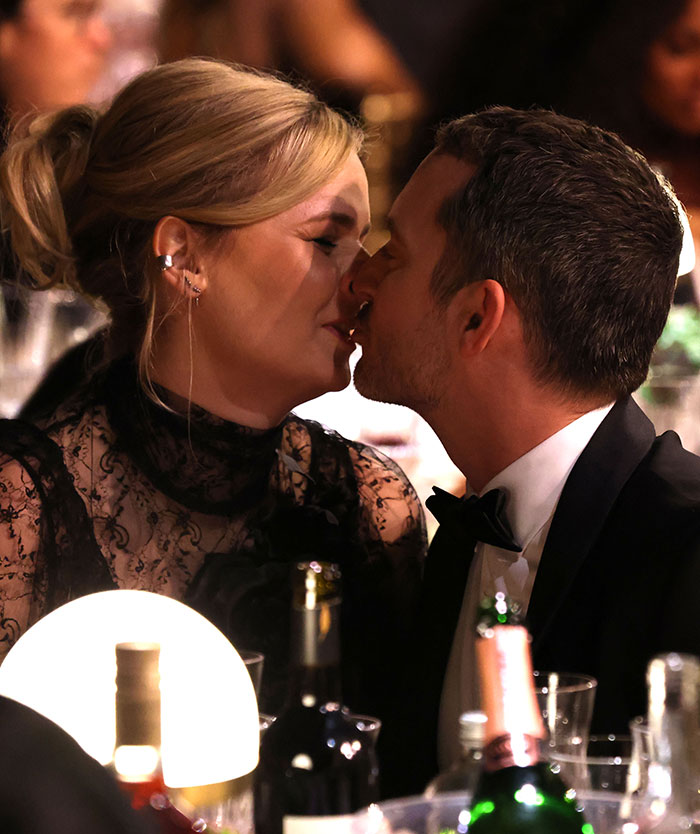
{"x":566,"y":703}
{"x":609,"y":766}
{"x":35,"y":329}
{"x":266,"y":721}
{"x":603,"y":765}
{"x":367,"y":724}
{"x":254,"y":664}
{"x":641,"y":755}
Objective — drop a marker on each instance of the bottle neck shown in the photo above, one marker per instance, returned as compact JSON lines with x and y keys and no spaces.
{"x":137,"y":707}
{"x":315,"y":655}
{"x":514,"y":729}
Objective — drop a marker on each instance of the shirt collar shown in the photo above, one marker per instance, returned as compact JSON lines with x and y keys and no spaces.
{"x":534,"y":482}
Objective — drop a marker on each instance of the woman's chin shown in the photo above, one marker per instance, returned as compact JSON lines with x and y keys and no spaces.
{"x":343,"y":377}
{"x":336,"y":381}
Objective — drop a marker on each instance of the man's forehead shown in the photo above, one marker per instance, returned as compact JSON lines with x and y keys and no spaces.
{"x":436,"y":178}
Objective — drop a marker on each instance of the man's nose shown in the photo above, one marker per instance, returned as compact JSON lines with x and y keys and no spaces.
{"x":356,"y":283}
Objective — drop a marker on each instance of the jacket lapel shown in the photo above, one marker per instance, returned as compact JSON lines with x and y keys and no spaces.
{"x":622,"y":440}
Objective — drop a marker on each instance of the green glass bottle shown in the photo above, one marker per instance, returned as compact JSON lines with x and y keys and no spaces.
{"x":517,"y":792}
{"x":316,"y":766}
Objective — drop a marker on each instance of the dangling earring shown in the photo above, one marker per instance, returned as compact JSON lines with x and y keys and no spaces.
{"x":196,"y":290}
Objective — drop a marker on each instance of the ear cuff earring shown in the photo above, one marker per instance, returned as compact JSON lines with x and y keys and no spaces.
{"x":165,"y":262}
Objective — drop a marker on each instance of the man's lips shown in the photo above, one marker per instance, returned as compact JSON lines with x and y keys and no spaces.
{"x":346,"y":328}
{"x":360,"y":319}
{"x":342,"y":330}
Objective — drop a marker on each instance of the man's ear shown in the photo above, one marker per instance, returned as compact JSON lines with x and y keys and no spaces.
{"x":481,"y":310}
{"x":176,"y":246}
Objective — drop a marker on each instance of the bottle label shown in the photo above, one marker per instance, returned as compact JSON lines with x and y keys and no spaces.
{"x":511,"y":751}
{"x":342,"y":824}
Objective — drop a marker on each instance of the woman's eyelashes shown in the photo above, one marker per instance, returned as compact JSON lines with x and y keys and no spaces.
{"x":325,"y":243}
{"x":340,"y":250}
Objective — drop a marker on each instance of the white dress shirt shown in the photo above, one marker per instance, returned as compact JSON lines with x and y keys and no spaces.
{"x":533,"y":484}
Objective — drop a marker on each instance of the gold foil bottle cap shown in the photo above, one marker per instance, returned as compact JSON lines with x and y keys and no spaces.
{"x":507,"y":684}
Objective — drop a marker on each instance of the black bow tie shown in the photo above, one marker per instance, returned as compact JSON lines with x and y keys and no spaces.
{"x":481,"y":519}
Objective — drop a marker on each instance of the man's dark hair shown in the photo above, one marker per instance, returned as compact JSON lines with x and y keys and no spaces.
{"x":580,"y":232}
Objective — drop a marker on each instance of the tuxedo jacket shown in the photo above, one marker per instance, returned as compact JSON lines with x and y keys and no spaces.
{"x":618,"y":582}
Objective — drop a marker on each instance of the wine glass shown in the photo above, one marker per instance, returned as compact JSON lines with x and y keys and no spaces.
{"x":602,"y":765}
{"x":612,"y":766}
{"x":254,"y":662}
{"x":35,"y":329}
{"x":566,"y":703}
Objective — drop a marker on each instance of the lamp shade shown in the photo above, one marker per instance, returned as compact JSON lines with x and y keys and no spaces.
{"x":64,"y":667}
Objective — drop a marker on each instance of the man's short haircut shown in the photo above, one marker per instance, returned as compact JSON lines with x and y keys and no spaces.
{"x":577,"y":228}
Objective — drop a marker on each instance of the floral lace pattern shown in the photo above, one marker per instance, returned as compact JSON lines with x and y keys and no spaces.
{"x":116,"y":491}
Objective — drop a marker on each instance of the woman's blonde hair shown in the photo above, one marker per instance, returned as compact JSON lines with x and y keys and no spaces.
{"x":206,"y":141}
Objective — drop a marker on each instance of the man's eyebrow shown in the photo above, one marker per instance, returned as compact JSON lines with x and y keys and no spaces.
{"x":342,"y":218}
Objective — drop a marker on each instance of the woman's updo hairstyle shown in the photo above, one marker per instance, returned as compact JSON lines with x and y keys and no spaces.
{"x":203,"y":140}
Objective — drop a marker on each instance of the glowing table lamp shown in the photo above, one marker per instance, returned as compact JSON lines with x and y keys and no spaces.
{"x":64,"y":667}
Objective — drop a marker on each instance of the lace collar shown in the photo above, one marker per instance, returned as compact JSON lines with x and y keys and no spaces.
{"x":202,"y":461}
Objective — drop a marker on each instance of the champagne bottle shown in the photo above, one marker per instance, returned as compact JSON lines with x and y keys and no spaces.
{"x":464,"y":773}
{"x":137,"y":762}
{"x":315,"y":764}
{"x":517,"y":792}
{"x":671,"y":801}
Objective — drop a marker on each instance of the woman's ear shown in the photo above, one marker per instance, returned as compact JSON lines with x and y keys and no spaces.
{"x":481,"y":309}
{"x":176,"y":248}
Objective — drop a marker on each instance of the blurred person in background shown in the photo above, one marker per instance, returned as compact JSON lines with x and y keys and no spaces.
{"x":51,"y":52}
{"x":469,"y":54}
{"x":641,"y":78}
{"x":214,"y":211}
{"x":332,"y":43}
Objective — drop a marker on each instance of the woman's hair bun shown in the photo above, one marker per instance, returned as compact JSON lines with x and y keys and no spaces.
{"x":41,"y":177}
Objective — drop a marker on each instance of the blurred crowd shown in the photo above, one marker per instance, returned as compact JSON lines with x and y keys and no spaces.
{"x":632,"y":66}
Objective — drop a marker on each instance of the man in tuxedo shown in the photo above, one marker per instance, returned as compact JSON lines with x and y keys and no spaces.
{"x":530,"y":270}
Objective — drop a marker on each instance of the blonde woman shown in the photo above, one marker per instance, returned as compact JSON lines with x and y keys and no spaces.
{"x":214,"y":211}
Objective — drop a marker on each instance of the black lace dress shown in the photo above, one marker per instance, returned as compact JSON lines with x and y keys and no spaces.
{"x":114,"y":491}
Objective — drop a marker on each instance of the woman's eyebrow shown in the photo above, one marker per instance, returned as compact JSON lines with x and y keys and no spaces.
{"x":341,"y":218}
